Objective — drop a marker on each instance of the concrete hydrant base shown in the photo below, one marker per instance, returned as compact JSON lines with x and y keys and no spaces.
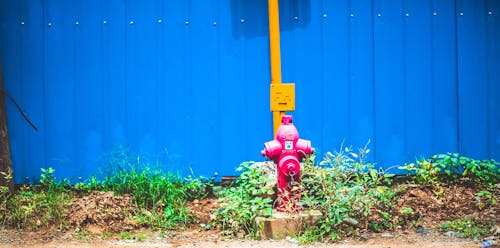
{"x":280,"y":225}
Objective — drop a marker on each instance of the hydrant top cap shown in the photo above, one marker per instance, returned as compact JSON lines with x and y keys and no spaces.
{"x":286,"y":119}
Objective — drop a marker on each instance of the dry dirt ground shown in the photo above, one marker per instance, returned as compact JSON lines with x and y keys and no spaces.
{"x":185,"y":239}
{"x":94,"y":217}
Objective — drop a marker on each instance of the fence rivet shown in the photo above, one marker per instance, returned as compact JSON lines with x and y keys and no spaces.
{"x":352,"y":15}
{"x":379,"y":15}
{"x":461,"y":13}
{"x":104,"y":22}
{"x":242,"y":20}
{"x":186,"y":23}
{"x":22,"y":23}
{"x":325,"y":15}
{"x":77,"y":23}
{"x":490,"y":13}
{"x":131,"y":22}
{"x":49,"y":24}
{"x":214,"y":23}
{"x":407,"y":14}
{"x":160,"y":21}
{"x":435,"y":13}
{"x":295,"y":17}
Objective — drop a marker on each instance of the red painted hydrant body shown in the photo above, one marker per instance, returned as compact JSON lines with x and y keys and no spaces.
{"x":287,"y":151}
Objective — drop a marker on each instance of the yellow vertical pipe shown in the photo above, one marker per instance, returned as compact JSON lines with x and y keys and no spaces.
{"x":274,"y":44}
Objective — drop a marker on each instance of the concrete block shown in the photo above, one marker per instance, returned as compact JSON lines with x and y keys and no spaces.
{"x":280,"y":225}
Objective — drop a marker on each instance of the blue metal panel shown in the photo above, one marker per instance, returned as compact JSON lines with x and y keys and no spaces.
{"x":335,"y":70}
{"x":140,"y":76}
{"x":361,"y":98}
{"x":205,"y":75}
{"x":186,"y":83}
{"x":493,"y":77}
{"x":233,"y":82}
{"x":389,"y":82}
{"x":419,"y":95}
{"x":173,"y":81}
{"x":60,"y":131}
{"x":32,"y":85}
{"x":472,"y":78}
{"x":89,"y":99}
{"x":444,"y":77}
{"x":113,"y":77}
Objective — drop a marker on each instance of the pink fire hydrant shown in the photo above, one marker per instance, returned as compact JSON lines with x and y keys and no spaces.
{"x":287,"y":151}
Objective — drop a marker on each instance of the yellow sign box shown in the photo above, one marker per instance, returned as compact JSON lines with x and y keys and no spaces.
{"x":283,"y":97}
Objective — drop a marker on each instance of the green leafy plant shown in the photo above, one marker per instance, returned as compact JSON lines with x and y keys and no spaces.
{"x":451,"y":168}
{"x":126,"y":235}
{"x":345,"y":186}
{"x":407,"y":217}
{"x":242,"y":202}
{"x":160,"y":196}
{"x":142,"y":237}
{"x":485,"y":198}
{"x":38,"y":205}
{"x":469,"y":227}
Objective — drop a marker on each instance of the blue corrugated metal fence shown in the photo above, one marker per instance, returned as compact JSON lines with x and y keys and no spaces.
{"x":187,"y":82}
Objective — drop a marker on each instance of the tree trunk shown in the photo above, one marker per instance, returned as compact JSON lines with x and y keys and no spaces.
{"x":5,"y":160}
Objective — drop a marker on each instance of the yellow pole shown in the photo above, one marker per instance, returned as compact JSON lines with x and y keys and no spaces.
{"x":274,"y":44}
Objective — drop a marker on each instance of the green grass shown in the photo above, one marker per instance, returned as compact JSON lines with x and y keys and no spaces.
{"x":159,"y":197}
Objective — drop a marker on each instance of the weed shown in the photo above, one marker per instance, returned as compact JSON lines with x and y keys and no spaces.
{"x":141,"y":237}
{"x":159,"y":196}
{"x":245,"y":200}
{"x":5,"y":194}
{"x":470,"y":227}
{"x":408,"y":217}
{"x":126,"y":235}
{"x":485,"y":198}
{"x":343,"y":186}
{"x":82,"y":234}
{"x":451,"y":168}
{"x":106,"y":234}
{"x":38,"y":205}
{"x":165,"y":194}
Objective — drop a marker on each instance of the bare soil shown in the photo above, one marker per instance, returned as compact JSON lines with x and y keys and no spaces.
{"x":96,"y":220}
{"x":101,"y":212}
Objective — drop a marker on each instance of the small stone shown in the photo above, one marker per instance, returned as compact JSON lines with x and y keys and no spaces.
{"x":454,"y":234}
{"x":280,"y":225}
{"x":421,"y":230}
{"x":386,"y":235}
{"x":292,"y":240}
{"x":351,"y":221}
{"x":196,"y":201}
